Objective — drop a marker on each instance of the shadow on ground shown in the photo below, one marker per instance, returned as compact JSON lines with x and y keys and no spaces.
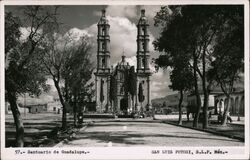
{"x":134,"y":138}
{"x":34,"y":133}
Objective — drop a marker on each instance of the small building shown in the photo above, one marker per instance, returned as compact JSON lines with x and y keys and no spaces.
{"x":54,"y":106}
{"x":37,"y":108}
{"x":218,"y":101}
{"x":236,"y":103}
{"x":30,"y":108}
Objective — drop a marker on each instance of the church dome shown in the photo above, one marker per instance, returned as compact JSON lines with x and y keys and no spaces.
{"x":123,"y":64}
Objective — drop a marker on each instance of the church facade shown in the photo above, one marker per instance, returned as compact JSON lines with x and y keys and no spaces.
{"x":112,"y":84}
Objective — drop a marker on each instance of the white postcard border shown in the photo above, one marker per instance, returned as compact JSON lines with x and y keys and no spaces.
{"x":125,"y":152}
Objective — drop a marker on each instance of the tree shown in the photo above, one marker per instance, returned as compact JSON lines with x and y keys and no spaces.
{"x":132,"y":84}
{"x":56,"y":52}
{"x":101,"y":93}
{"x":23,"y":74}
{"x":205,"y":23}
{"x":182,"y":80}
{"x":228,"y":54}
{"x":211,"y":24}
{"x":76,"y":73}
{"x":201,"y":20}
{"x":181,"y":75}
{"x":67,"y":61}
{"x":177,"y":44}
{"x":12,"y":32}
{"x":141,"y":97}
{"x":112,"y":91}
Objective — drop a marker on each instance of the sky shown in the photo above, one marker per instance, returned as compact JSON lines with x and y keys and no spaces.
{"x":82,"y":20}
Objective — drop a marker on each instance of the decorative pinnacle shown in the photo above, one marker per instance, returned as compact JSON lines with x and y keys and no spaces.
{"x":123,"y":56}
{"x":143,"y":12}
{"x":103,"y":12}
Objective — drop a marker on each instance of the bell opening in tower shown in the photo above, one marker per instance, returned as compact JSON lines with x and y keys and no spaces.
{"x":143,"y":31}
{"x":103,"y":32}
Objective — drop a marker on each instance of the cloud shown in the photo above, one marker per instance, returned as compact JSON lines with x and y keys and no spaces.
{"x":122,"y":37}
{"x":25,"y":32}
{"x":77,"y":33}
{"x":131,"y":11}
{"x":132,"y":61}
{"x":159,"y":84}
{"x":122,"y":11}
{"x":123,"y":34}
{"x":150,"y":11}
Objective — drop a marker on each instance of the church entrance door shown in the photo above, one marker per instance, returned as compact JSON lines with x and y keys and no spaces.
{"x":124,"y":105}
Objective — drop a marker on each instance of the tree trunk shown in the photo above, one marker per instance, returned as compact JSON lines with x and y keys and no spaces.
{"x":197,"y":114}
{"x":205,"y":109}
{"x":141,"y":108}
{"x":133,"y":103}
{"x":226,"y":110}
{"x":205,"y":92}
{"x":179,"y":106}
{"x":198,"y":100}
{"x":75,"y":110}
{"x":17,"y":119}
{"x":64,"y":111}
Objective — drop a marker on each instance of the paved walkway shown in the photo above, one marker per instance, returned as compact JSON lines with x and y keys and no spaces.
{"x":184,"y":118}
{"x":235,"y":120}
{"x":129,"y":133}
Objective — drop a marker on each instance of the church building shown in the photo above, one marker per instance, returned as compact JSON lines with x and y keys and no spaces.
{"x":112,"y":84}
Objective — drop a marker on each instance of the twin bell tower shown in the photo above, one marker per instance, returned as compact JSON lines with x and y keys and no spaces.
{"x":104,"y":72}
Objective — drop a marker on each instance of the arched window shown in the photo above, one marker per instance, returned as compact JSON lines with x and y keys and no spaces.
{"x":103,"y":46}
{"x":122,"y":89}
{"x":103,"y":62}
{"x":121,"y":76}
{"x":103,"y":31}
{"x":143,"y":62}
{"x":143,"y":31}
{"x":143,"y":46}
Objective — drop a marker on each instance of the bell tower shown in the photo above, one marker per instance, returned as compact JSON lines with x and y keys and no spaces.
{"x":102,"y":74}
{"x":143,"y":58}
{"x":142,"y":44}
